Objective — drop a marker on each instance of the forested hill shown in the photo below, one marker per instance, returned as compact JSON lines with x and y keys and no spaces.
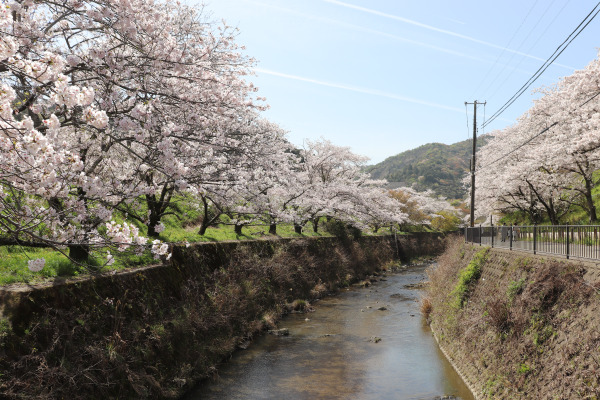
{"x":436,"y":166}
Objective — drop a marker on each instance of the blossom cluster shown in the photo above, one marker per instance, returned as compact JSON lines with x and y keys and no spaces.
{"x":125,"y":235}
{"x":36,"y":265}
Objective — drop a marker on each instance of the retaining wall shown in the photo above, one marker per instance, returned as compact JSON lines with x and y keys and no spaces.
{"x":154,"y":332}
{"x":529,"y":328}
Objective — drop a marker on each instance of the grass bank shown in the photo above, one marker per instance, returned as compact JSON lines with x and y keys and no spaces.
{"x":517,"y":325}
{"x":13,"y":259}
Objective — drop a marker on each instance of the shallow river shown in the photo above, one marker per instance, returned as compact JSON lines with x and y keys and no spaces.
{"x":347,"y":349}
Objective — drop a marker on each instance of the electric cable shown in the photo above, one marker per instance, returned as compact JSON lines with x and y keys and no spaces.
{"x":483,"y":126}
{"x":515,"y":68}
{"x":559,"y":50}
{"x":504,"y":50}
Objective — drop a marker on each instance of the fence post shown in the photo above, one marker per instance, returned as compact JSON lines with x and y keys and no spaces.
{"x":480,"y":232}
{"x":534,"y":238}
{"x":492,"y":236}
{"x":510,"y":234}
{"x":466,"y":237}
{"x":567,"y":242}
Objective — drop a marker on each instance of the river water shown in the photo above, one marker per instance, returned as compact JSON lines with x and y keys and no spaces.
{"x":348,"y":348}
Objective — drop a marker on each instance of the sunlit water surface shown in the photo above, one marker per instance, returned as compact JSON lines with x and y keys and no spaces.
{"x":332,"y":353}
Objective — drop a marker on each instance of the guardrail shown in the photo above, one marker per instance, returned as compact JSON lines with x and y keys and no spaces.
{"x":571,"y":241}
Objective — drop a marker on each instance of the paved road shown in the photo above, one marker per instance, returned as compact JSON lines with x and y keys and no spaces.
{"x":545,"y":247}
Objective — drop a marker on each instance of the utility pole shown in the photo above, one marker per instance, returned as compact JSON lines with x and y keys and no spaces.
{"x":473,"y":160}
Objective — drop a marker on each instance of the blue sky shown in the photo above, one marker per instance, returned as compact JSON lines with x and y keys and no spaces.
{"x":386,"y":76}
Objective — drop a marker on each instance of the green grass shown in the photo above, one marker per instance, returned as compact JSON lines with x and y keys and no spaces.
{"x":178,"y":230}
{"x":13,"y":259}
{"x":223,"y":232}
{"x":13,"y":265}
{"x":467,"y":278}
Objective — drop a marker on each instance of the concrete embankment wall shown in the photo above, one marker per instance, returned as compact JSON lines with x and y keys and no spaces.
{"x":154,"y":332}
{"x":518,"y":326}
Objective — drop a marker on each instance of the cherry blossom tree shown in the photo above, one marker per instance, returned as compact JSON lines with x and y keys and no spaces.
{"x":546,"y":162}
{"x":120,"y":88}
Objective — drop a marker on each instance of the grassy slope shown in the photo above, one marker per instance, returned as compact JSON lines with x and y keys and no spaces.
{"x":13,"y":259}
{"x":181,"y":226}
{"x":525,"y":327}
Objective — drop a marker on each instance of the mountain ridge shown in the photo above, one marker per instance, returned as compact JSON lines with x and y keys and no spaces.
{"x":436,"y":166}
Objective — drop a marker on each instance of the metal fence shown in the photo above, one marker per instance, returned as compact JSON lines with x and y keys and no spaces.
{"x":571,"y":241}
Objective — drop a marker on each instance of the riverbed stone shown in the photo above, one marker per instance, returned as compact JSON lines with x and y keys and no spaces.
{"x":280,"y":332}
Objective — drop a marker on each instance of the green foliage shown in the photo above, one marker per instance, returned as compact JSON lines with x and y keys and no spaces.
{"x":341,"y":229}
{"x":467,"y":277}
{"x":5,"y":330}
{"x":435,"y":166}
{"x":445,"y":221}
{"x":524,"y":369}
{"x":515,"y":288}
{"x":540,"y":330}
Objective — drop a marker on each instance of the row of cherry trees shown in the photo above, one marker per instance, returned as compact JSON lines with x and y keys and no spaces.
{"x":108,"y":104}
{"x":544,"y":164}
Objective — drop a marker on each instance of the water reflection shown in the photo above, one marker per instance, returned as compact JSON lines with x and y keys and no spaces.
{"x":335,"y":354}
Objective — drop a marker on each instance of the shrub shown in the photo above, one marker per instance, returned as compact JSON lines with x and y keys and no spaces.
{"x":342,"y":230}
{"x":467,"y":278}
{"x":426,"y":307}
{"x":515,"y":288}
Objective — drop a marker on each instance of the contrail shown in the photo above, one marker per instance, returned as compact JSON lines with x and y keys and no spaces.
{"x":360,"y":90}
{"x":439,"y":30}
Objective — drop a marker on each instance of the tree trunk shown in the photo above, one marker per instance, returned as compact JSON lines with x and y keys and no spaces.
{"x":548,"y":205}
{"x":79,"y":253}
{"x":157,"y":207}
{"x":298,"y":229}
{"x":153,"y":218}
{"x":205,"y":219}
{"x":203,"y":228}
{"x":238,"y":229}
{"x":315,"y":224}
{"x":208,"y":219}
{"x":591,"y":207}
{"x":273,"y":228}
{"x":552,"y":215}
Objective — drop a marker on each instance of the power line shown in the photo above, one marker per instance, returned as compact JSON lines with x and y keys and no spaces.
{"x":504,"y":49}
{"x":563,"y":46}
{"x":515,"y":68}
{"x":482,"y":126}
{"x":521,"y":145}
